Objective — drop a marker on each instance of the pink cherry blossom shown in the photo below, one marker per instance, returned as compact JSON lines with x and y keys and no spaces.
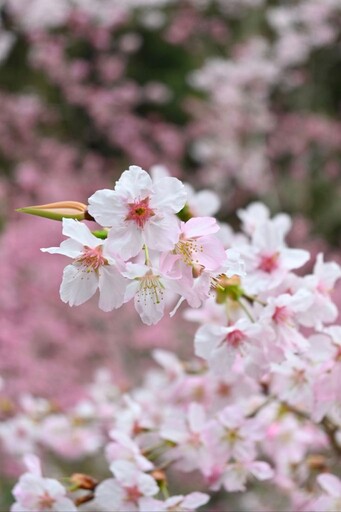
{"x":197,"y":246}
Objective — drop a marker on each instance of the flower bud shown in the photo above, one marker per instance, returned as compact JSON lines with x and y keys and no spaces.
{"x":159,"y":475}
{"x":58,"y":211}
{"x":82,"y":481}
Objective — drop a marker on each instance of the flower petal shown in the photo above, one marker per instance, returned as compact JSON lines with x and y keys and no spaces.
{"x":112,"y":287}
{"x":134,"y":183}
{"x":78,"y":285}
{"x":169,"y":195}
{"x":70,"y":248}
{"x":80,"y":232}
{"x":106,"y":207}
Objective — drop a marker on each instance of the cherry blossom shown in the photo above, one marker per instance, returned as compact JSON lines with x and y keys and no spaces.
{"x":269,"y":260}
{"x":220,"y":345}
{"x":94,"y":267}
{"x":139,"y":211}
{"x":148,"y":286}
{"x":125,"y":491}
{"x":197,"y":246}
{"x":35,"y":493}
{"x":262,"y":386}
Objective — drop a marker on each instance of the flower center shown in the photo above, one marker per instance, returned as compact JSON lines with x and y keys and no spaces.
{"x":140,"y":212}
{"x":92,"y":258}
{"x":281,"y":315}
{"x":299,"y":377}
{"x":232,"y":436}
{"x":151,"y":288}
{"x":46,"y":501}
{"x":133,"y":494}
{"x":235,"y":338}
{"x":269,"y":263}
{"x":188,"y":250}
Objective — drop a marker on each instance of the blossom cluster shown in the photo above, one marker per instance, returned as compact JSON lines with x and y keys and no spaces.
{"x":241,"y":96}
{"x":148,"y":254}
{"x":260,"y":401}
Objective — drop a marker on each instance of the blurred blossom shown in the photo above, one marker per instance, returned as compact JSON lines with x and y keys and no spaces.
{"x":239,"y":99}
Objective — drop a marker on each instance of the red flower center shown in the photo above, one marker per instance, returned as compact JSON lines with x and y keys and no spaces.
{"x":133,"y":494}
{"x":46,"y":501}
{"x":92,"y":258}
{"x":269,"y":263}
{"x":140,"y":212}
{"x":281,"y":315}
{"x":235,"y":338}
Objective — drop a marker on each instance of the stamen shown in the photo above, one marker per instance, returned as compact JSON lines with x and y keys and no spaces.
{"x":150,"y":288}
{"x":188,"y":250}
{"x":140,"y":212}
{"x":92,"y":258}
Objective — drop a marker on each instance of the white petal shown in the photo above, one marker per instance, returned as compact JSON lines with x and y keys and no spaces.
{"x":32,"y":463}
{"x":294,"y":258}
{"x":162,"y":234}
{"x":131,"y":291}
{"x":222,"y":359}
{"x":134,"y":270}
{"x":112,"y":286}
{"x":106,"y":207}
{"x":109,"y":496}
{"x":169,"y":195}
{"x":207,"y":338}
{"x":134,"y":183}
{"x":147,"y":485}
{"x":64,"y":505}
{"x":80,"y":232}
{"x":267,"y":237}
{"x":330,"y":484}
{"x":78,"y":285}
{"x":204,"y":202}
{"x":150,"y":310}
{"x":125,"y":472}
{"x":151,"y":505}
{"x":234,"y":478}
{"x":195,"y":500}
{"x":196,"y":417}
{"x":70,"y":248}
{"x":126,"y":241}
{"x":261,"y":470}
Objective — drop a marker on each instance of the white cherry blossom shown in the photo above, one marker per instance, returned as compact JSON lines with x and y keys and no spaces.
{"x":140,"y":211}
{"x":93,"y":267}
